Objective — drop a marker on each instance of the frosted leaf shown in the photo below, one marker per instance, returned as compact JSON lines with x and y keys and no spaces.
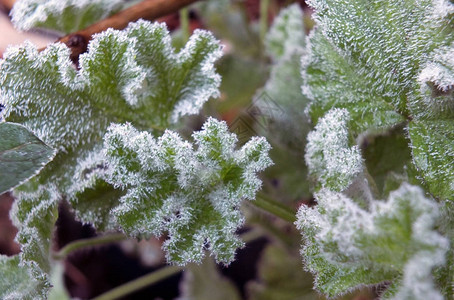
{"x":131,"y":75}
{"x":34,"y":214}
{"x":385,"y":41}
{"x":329,"y":157}
{"x":286,"y":35}
{"x":330,"y":80}
{"x":372,"y":53}
{"x":396,"y":242}
{"x":62,"y":15}
{"x":280,"y":103}
{"x":436,"y":81}
{"x":432,"y":145}
{"x":16,"y":283}
{"x":192,"y":195}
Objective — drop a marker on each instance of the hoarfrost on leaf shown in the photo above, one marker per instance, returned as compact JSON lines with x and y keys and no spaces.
{"x":34,"y":214}
{"x":16,"y":283}
{"x":62,"y":15}
{"x":286,"y":35}
{"x":192,"y":195}
{"x":329,"y":157}
{"x":395,"y":237}
{"x":131,"y":75}
{"x":281,"y":100}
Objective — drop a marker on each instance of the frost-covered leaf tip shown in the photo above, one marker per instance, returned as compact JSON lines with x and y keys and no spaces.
{"x":346,"y":246}
{"x":329,"y":157}
{"x":193,"y":195}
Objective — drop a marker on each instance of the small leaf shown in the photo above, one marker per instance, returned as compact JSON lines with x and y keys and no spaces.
{"x":22,"y":155}
{"x":34,"y":213}
{"x":192,"y":195}
{"x":286,"y":36}
{"x":204,"y":282}
{"x":62,"y":15}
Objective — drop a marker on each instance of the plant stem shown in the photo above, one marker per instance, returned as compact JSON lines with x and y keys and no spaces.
{"x":274,"y":207}
{"x":264,"y":7}
{"x":184,"y":23}
{"x":156,"y":276}
{"x":147,"y":9}
{"x":139,"y":283}
{"x":83,"y":243}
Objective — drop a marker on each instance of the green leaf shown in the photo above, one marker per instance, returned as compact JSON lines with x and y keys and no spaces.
{"x":331,"y":80}
{"x":386,"y":42}
{"x":58,"y":291}
{"x":279,"y":105}
{"x":15,"y":282}
{"x":132,"y":75}
{"x":329,"y":157}
{"x":397,"y":242}
{"x":286,"y":36}
{"x":204,"y":282}
{"x":22,"y":155}
{"x":62,"y":15}
{"x":433,"y":154}
{"x":34,"y":213}
{"x":192,"y":195}
{"x":281,"y":276}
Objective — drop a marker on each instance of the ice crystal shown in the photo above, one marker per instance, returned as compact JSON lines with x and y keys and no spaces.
{"x":193,"y":195}
{"x":394,"y":240}
{"x":329,"y":156}
{"x":62,"y":15}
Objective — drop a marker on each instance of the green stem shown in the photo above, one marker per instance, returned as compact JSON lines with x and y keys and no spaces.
{"x":264,"y":7}
{"x":184,"y":23}
{"x":274,"y":207}
{"x":156,"y":276}
{"x":139,"y":283}
{"x":84,"y":243}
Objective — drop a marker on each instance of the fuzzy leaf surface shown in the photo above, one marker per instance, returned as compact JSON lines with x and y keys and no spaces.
{"x":34,"y":214}
{"x":62,"y":15}
{"x":329,"y":157}
{"x":131,"y":75}
{"x":397,"y":242}
{"x":193,"y":195}
{"x":22,"y":155}
{"x":15,"y":282}
{"x":433,"y":154}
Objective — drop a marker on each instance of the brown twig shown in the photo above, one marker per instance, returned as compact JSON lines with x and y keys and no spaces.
{"x":7,"y":4}
{"x":147,"y":9}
